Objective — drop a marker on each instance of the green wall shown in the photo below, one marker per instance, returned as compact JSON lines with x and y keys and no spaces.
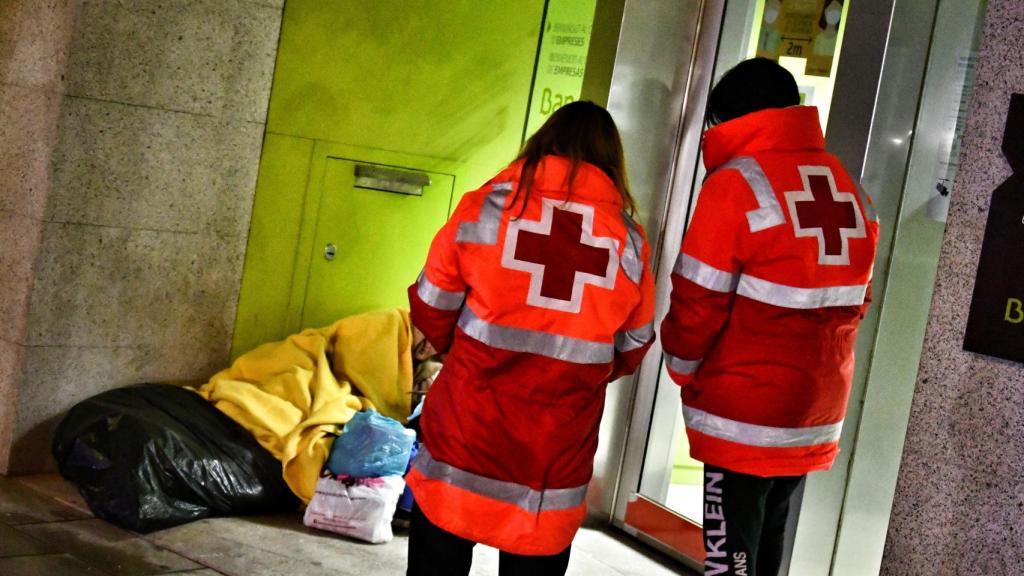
{"x":441,"y":85}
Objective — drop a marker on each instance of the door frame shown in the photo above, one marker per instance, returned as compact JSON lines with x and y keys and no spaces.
{"x":866,"y":65}
{"x":633,"y":513}
{"x":913,"y":85}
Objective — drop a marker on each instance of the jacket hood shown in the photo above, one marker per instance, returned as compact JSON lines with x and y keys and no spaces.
{"x":793,"y":128}
{"x":552,"y":175}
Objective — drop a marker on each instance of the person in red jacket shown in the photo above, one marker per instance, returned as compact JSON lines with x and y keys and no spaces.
{"x":770,"y":285}
{"x":539,"y":291}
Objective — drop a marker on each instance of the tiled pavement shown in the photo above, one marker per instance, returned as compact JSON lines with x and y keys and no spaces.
{"x":46,"y":529}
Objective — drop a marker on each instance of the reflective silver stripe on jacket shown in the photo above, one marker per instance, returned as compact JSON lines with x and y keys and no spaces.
{"x":535,"y":342}
{"x":438,"y":297}
{"x":770,"y":212}
{"x":632,"y":256}
{"x":636,"y":338}
{"x":756,"y":435}
{"x":485,"y":230}
{"x":800,"y":298}
{"x":680,"y":366}
{"x":705,"y":275}
{"x":533,"y":501}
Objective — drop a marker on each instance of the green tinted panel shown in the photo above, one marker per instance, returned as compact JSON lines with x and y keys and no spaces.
{"x":273,"y":237}
{"x":370,"y":244}
{"x":442,"y":86}
{"x":441,"y":79}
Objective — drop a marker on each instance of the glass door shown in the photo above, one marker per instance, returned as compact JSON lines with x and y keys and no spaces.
{"x":894,"y":117}
{"x":665,"y":505}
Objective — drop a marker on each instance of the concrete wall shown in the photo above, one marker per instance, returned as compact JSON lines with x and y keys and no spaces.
{"x":143,"y":212}
{"x":34,"y":39}
{"x":960,"y":497}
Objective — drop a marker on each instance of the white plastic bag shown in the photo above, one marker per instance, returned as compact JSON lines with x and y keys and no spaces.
{"x":356,"y":507}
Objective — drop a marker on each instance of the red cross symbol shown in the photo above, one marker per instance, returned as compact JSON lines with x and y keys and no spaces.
{"x":561,"y":254}
{"x":821,"y":211}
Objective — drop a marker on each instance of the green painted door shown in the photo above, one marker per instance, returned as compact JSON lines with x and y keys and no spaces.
{"x":370,"y":243}
{"x":438,"y":85}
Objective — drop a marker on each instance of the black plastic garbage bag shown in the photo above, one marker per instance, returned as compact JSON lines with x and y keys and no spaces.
{"x":154,"y":456}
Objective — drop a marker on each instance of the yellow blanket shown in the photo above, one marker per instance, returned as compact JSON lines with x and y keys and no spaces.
{"x":288,"y":397}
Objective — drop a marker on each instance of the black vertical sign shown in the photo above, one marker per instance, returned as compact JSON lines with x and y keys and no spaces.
{"x":996,"y":324}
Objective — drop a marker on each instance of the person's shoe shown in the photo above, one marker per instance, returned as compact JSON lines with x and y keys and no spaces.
{"x":401,"y":520}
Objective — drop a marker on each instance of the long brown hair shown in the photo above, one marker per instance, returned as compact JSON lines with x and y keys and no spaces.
{"x":582,"y":132}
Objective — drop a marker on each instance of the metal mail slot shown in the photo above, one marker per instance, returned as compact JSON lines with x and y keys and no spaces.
{"x":390,"y":180}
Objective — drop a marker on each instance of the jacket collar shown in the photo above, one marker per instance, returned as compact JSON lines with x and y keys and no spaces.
{"x":780,"y":129}
{"x":552,"y":176}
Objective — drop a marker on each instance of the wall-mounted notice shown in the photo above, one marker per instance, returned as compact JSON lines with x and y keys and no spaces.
{"x":802,"y":29}
{"x":562,"y":60}
{"x":996,"y":324}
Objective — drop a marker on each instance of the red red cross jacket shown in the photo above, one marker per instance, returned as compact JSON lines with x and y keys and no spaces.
{"x":537,"y":313}
{"x":771,"y":282}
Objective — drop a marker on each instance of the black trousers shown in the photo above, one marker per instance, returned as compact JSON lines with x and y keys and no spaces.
{"x":745,"y":522}
{"x":434,"y":552}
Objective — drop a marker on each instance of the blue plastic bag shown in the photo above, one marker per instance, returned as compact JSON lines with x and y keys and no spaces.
{"x":371,"y":446}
